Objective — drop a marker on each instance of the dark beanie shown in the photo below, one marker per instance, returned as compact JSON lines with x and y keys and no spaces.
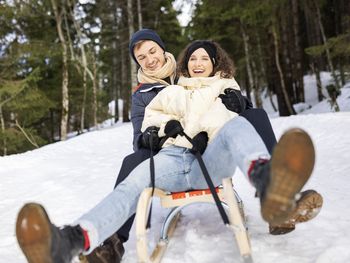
{"x":208,"y":46}
{"x":144,"y":34}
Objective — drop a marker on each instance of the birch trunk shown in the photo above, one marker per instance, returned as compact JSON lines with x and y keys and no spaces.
{"x":94,"y":93}
{"x":65,"y":97}
{"x":248,"y":66}
{"x":82,"y":117}
{"x":83,"y":64}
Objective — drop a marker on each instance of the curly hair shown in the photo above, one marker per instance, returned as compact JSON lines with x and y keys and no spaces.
{"x":223,"y":62}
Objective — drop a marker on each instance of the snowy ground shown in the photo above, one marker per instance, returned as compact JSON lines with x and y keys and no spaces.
{"x":70,"y":177}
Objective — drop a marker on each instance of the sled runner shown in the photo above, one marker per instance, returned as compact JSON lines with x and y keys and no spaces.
{"x":177,"y":201}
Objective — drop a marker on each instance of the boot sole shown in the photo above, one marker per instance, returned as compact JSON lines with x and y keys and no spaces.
{"x":291,"y":166}
{"x":34,"y":234}
{"x":308,"y":207}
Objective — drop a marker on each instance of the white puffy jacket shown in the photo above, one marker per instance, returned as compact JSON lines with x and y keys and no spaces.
{"x":194,"y":102}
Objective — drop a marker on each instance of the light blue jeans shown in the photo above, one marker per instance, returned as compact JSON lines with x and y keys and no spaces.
{"x":237,"y":144}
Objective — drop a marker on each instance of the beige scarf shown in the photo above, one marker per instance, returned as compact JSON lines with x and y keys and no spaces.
{"x":198,"y":82}
{"x":168,"y":70}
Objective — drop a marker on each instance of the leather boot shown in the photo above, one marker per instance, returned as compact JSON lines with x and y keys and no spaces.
{"x":43,"y":242}
{"x":279,"y":180}
{"x":111,"y":251}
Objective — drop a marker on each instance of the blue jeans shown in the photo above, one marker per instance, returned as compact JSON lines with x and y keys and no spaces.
{"x":237,"y":144}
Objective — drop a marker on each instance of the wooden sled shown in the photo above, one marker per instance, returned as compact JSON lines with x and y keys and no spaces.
{"x":177,"y":201}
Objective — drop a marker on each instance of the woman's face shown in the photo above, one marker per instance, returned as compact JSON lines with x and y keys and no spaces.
{"x":199,"y":64}
{"x":149,"y":55}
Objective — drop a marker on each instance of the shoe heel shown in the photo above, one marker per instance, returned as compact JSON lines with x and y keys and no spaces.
{"x":33,"y":233}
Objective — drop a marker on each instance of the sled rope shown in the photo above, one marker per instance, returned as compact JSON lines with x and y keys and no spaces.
{"x":205,"y":174}
{"x":152,"y":173}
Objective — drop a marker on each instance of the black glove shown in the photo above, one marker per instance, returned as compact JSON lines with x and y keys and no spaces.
{"x":233,"y":100}
{"x":173,"y":128}
{"x":200,"y":142}
{"x":150,"y":138}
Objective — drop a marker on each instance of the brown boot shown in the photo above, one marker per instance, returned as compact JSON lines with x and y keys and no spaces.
{"x":308,"y":206}
{"x":111,"y":251}
{"x":291,"y":166}
{"x":42,"y":242}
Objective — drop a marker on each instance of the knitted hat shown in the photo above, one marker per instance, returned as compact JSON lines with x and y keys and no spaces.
{"x":144,"y":34}
{"x":208,"y":46}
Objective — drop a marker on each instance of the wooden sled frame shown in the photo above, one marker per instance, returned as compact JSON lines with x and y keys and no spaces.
{"x":177,"y":201}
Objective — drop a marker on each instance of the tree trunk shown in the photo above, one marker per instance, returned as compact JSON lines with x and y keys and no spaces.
{"x":279,"y":68}
{"x":116,"y":68}
{"x":262,"y":70}
{"x":2,"y":121}
{"x":316,"y":71}
{"x":65,"y":97}
{"x":94,"y":93}
{"x":298,"y":58}
{"x":324,"y":39}
{"x":82,"y":117}
{"x":285,"y":60}
{"x":115,"y":82}
{"x":248,"y":67}
{"x":139,"y":14}
{"x":271,"y":100}
{"x":131,"y":31}
{"x":84,"y":65}
{"x":125,"y":93}
{"x":257,"y":93}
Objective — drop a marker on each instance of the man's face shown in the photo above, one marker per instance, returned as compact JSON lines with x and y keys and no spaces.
{"x":149,"y":55}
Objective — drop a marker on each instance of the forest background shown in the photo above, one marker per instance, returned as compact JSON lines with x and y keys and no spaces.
{"x":63,"y":61}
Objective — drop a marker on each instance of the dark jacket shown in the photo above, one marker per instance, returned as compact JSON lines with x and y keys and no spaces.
{"x":140,"y":99}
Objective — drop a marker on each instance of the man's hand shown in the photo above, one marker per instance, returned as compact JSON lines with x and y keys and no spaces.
{"x":150,"y":138}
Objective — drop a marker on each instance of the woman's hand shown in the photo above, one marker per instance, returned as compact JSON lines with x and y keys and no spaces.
{"x":199,"y":142}
{"x":233,"y":100}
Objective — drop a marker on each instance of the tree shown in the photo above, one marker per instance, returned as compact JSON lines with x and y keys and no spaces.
{"x":65,"y":98}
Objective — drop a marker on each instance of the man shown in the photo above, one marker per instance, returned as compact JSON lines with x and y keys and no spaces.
{"x":157,"y":70}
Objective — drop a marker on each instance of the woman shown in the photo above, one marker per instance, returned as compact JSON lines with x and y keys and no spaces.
{"x":232,"y":142}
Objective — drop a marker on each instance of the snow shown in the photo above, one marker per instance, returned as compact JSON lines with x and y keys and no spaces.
{"x":311,"y":104}
{"x":70,"y":177}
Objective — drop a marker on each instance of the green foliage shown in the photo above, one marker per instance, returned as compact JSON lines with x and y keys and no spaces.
{"x":339,"y":47}
{"x":17,"y":142}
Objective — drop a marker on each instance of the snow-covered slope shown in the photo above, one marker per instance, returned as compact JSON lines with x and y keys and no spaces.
{"x":70,"y":177}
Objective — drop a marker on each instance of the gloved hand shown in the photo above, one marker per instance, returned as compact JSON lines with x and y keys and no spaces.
{"x":233,"y":100}
{"x":150,"y":135}
{"x":173,"y":128}
{"x":200,"y":142}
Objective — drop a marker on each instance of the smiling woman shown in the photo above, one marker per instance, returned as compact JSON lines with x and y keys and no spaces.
{"x":200,"y":64}
{"x":203,"y":58}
